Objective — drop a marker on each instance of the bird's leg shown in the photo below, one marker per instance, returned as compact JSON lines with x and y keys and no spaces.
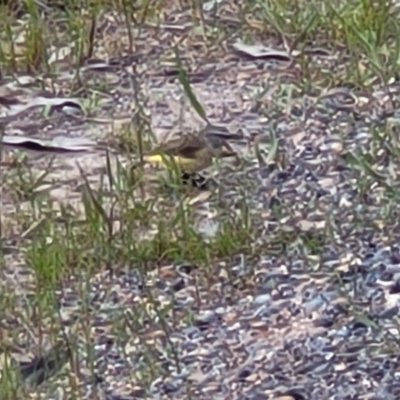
{"x":194,"y":179}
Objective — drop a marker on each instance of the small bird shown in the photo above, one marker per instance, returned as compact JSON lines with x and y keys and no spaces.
{"x":194,"y":152}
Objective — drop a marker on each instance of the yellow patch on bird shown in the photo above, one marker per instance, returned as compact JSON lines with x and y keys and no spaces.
{"x":164,"y":158}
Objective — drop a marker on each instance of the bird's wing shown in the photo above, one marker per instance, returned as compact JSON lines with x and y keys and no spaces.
{"x":185,"y":146}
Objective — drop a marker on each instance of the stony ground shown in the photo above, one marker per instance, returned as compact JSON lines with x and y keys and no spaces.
{"x":286,"y":285}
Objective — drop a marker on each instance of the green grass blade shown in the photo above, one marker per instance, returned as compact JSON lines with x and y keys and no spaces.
{"x":188,"y":90}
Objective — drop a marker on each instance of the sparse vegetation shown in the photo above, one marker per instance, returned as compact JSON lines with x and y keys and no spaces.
{"x":275,"y":279}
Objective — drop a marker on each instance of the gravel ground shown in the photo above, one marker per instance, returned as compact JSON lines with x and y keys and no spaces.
{"x":308,"y":310}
